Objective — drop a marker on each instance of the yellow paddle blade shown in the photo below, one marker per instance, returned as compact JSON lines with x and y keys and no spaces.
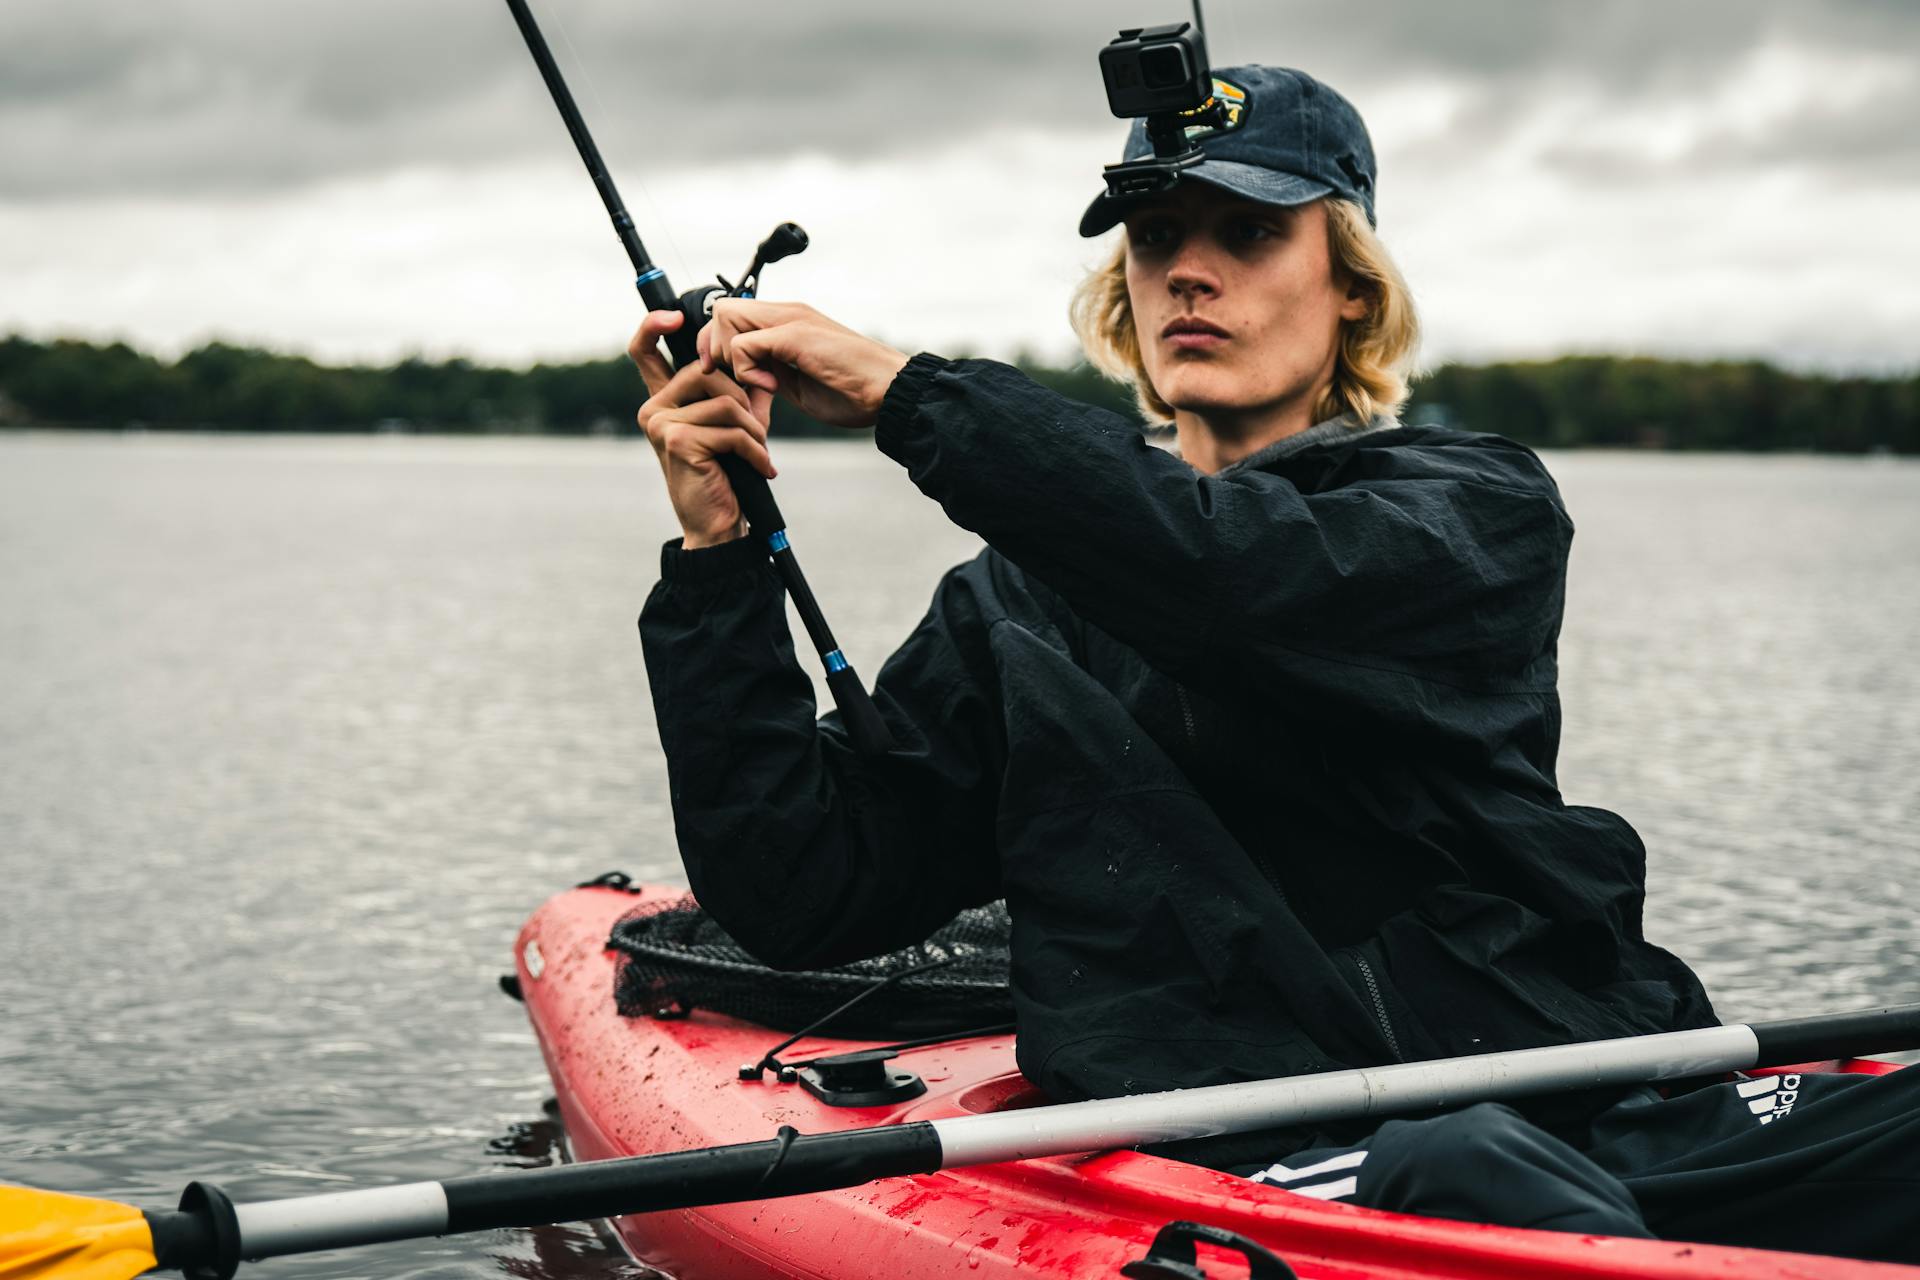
{"x":48,"y":1236}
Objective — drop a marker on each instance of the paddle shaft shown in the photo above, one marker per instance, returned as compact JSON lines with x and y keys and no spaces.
{"x":797,"y":1165}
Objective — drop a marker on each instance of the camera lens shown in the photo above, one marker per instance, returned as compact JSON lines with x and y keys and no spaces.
{"x":1164,"y":66}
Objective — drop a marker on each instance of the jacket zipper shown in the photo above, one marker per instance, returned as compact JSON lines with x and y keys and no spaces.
{"x":1379,"y":1006}
{"x":1268,"y":870}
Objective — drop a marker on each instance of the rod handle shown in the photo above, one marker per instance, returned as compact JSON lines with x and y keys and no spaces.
{"x":866,"y":728}
{"x":754,"y":494}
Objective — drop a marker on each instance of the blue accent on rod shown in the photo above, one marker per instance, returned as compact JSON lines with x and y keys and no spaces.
{"x":836,"y":662}
{"x":777,"y":541}
{"x":640,"y":282}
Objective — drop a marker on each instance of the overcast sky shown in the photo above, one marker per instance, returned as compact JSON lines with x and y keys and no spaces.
{"x":364,"y":178}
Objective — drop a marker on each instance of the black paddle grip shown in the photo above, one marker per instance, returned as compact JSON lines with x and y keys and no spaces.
{"x":200,"y":1239}
{"x":1837,"y":1035}
{"x":683,"y":1179}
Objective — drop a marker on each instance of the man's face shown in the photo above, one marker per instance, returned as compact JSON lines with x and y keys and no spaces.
{"x":1237,"y":304}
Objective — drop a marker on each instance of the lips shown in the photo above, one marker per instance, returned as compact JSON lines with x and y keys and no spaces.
{"x":1194,"y":325}
{"x":1192,"y":336}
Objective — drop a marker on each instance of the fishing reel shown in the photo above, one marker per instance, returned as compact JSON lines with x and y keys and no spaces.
{"x":783,"y":241}
{"x":1162,"y":74}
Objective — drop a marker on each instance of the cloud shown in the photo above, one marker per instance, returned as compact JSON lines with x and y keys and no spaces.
{"x":1781,"y":108}
{"x":361,"y":178}
{"x":518,"y":263}
{"x":107,"y":97}
{"x":515,"y":263}
{"x":112,"y":97}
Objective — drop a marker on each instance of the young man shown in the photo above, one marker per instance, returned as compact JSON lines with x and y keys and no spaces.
{"x":1257,"y":741}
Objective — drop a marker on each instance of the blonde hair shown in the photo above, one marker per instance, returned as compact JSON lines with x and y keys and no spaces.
{"x":1375,"y":358}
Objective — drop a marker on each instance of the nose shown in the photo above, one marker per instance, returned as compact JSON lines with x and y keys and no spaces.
{"x":1191,"y":274}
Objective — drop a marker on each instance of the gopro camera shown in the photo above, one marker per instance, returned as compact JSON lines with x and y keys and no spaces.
{"x":1160,"y":74}
{"x":1156,"y":70}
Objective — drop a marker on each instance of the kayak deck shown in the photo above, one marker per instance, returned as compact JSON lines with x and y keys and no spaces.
{"x":636,"y":1086}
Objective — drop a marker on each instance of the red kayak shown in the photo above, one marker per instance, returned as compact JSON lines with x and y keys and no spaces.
{"x":631,"y":1086}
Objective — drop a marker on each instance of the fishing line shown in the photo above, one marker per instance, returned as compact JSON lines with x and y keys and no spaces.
{"x":593,"y":91}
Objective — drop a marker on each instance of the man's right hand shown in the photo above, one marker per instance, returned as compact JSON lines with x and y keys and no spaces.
{"x":691,"y":419}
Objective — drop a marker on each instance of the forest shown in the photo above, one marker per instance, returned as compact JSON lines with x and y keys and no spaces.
{"x":1569,"y":402}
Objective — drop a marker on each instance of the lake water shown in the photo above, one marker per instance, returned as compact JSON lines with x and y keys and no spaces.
{"x":294,"y":733}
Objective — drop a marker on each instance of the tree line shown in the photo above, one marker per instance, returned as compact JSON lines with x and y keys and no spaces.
{"x":1571,"y":401}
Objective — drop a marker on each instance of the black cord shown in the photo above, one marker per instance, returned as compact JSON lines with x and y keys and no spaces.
{"x":770,"y":1061}
{"x":786,"y":1136}
{"x":925,"y":1042}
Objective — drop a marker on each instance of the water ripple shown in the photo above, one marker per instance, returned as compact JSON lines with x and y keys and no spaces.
{"x":297,"y":732}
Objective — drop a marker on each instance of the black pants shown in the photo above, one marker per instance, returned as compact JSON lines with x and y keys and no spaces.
{"x":1818,"y":1164}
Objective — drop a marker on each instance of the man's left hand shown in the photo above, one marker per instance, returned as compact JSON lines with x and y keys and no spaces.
{"x":825,"y":369}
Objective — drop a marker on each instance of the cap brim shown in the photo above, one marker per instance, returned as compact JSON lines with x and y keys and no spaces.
{"x":1250,"y":182}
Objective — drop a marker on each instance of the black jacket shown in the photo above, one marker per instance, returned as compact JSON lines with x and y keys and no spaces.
{"x":1263,"y":762}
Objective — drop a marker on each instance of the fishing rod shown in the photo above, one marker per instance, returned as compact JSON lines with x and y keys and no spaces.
{"x":865,"y":728}
{"x":64,"y":1237}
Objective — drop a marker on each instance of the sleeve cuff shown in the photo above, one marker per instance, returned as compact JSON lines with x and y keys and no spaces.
{"x":897,"y":408}
{"x":711,"y":564}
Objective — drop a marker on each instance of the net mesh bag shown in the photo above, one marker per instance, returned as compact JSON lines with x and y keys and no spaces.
{"x":674,"y":958}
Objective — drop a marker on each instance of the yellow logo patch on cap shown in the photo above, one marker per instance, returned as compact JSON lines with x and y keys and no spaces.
{"x":1222,"y":113}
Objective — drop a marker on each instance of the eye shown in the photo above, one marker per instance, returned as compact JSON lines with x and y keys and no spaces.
{"x":1253,"y":230}
{"x":1153,"y":233}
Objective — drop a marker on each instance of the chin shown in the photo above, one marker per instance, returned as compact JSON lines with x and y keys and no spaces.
{"x":1209,"y":391}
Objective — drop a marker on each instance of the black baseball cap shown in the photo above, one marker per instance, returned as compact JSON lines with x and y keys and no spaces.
{"x":1288,"y":140}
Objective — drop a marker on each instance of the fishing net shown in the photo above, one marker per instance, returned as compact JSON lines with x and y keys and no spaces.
{"x":675,"y":958}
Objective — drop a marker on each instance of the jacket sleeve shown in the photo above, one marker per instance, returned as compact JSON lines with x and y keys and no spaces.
{"x":1449,"y":569}
{"x":807,"y":853}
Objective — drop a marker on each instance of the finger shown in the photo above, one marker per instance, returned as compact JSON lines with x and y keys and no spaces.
{"x":644,"y":349}
{"x":760,"y":357}
{"x":732,"y":317}
{"x":719,"y":332}
{"x":760,"y":405}
{"x":689,"y":386}
{"x":742,"y":314}
{"x":704,"y":345}
{"x":693,"y":444}
{"x":652,"y":325}
{"x":720,"y":413}
{"x":685,"y":390}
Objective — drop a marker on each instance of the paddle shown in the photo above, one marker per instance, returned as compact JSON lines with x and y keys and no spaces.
{"x":45,"y":1235}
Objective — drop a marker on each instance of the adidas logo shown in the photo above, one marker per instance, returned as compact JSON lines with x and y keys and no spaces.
{"x":1322,"y":1179}
{"x":1770,"y":1097}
